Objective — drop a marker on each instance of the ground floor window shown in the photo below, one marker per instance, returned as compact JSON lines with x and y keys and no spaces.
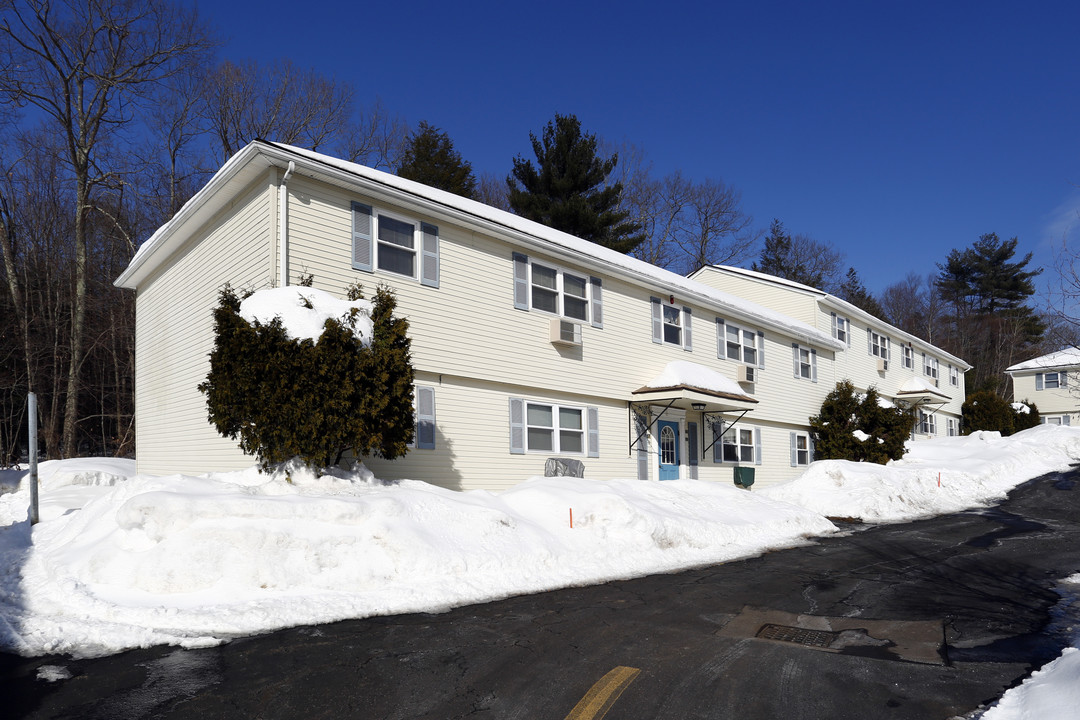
{"x":1054,"y":420}
{"x":554,"y":428}
{"x":950,"y":426}
{"x":739,"y":445}
{"x":801,"y":449}
{"x":927,"y":423}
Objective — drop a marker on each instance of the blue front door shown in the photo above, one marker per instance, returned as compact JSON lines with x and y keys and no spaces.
{"x":669,"y":450}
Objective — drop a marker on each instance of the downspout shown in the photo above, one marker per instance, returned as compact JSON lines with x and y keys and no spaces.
{"x":283,"y":226}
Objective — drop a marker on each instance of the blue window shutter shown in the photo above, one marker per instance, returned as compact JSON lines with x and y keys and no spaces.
{"x":521,"y":281}
{"x":687,"y":343}
{"x":757,"y":446}
{"x":794,"y":452}
{"x":657,"y":321}
{"x":1065,"y":420}
{"x":760,"y":349}
{"x":429,"y":260}
{"x":869,"y":341}
{"x":795,"y":357}
{"x":517,"y":426}
{"x":1038,"y":381}
{"x":718,"y":442}
{"x":813,"y":365}
{"x":888,"y":350}
{"x":833,"y":324}
{"x":1063,"y":379}
{"x":593,"y":419}
{"x":361,"y":237}
{"x":425,"y":417}
{"x":597,"y":302}
{"x":692,"y":450}
{"x":640,"y":426}
{"x":721,"y":351}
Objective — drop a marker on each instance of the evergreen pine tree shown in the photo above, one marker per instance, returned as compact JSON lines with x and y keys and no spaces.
{"x":844,"y":412}
{"x":566,"y":189}
{"x":853,"y":290}
{"x":799,"y":259}
{"x":430,"y":158}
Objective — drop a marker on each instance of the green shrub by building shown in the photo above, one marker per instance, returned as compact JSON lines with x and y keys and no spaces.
{"x":845,"y":415}
{"x":285,"y":398}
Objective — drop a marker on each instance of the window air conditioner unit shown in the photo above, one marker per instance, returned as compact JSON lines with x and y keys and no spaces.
{"x":882,"y":364}
{"x":747,"y":374}
{"x":565,"y":332}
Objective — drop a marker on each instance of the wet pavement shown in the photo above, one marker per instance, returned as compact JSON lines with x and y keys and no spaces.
{"x":919,"y":620}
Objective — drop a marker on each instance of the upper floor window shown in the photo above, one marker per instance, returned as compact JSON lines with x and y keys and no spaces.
{"x":930,"y":367}
{"x":878,"y":346}
{"x":908,"y":358}
{"x":841,"y":329}
{"x":954,"y":376}
{"x":550,"y":289}
{"x":671,"y":324}
{"x":394,"y":244}
{"x":1051,"y":381}
{"x":805,"y":362}
{"x":740,"y":343}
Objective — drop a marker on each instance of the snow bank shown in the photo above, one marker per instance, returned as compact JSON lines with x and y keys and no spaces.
{"x":1052,"y":693}
{"x":974,"y":471}
{"x":196,"y":560}
{"x":304,"y":311}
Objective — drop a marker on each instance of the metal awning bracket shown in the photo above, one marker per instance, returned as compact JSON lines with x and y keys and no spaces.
{"x":643,"y":409}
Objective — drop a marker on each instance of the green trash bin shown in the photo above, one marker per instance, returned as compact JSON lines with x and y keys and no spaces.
{"x":744,"y":477}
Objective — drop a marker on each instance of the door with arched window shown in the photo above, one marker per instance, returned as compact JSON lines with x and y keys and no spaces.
{"x":669,"y":449}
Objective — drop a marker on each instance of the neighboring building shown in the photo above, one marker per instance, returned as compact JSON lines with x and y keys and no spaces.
{"x":904,"y":369}
{"x":1052,"y":383}
{"x":528,"y":343}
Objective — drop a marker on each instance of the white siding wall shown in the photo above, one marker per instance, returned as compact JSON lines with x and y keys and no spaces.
{"x":1055,"y":401}
{"x":792,"y":302}
{"x":174,"y":335}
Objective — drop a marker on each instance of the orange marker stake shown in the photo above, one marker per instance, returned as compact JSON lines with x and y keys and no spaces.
{"x":939,"y":479}
{"x":571,"y":518}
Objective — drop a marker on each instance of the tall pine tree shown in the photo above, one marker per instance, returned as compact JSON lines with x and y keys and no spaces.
{"x":566,"y":188}
{"x":799,"y":259}
{"x":430,"y":158}
{"x":853,"y":290}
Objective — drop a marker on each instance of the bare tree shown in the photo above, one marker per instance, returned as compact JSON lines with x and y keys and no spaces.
{"x":279,"y":102}
{"x":82,"y":66}
{"x":375,"y":138}
{"x":491,"y":190}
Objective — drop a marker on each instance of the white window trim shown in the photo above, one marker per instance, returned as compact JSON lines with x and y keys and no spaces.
{"x":950,"y":427}
{"x":560,"y":292}
{"x":556,"y":429}
{"x":751,"y":448}
{"x":425,"y":241}
{"x":756,"y":343}
{"x":841,"y":326}
{"x":954,"y":375}
{"x":879,"y":345}
{"x":931,"y":367}
{"x":797,"y":360}
{"x":796,"y":451}
{"x":907,"y":359}
{"x":927,"y":423}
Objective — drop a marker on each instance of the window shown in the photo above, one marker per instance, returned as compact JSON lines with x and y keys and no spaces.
{"x":1051,"y":381}
{"x":1054,"y":420}
{"x":424,"y":405}
{"x":878,"y":346}
{"x":801,"y":449}
{"x":672,"y":326}
{"x":559,"y":292}
{"x":930,"y":367}
{"x":550,"y":289}
{"x":552,"y":428}
{"x":739,"y":445}
{"x":908,"y":359}
{"x":394,"y":244}
{"x":954,"y":376}
{"x":927,"y":423}
{"x":950,"y":426}
{"x":805,"y":362}
{"x":668,"y":452}
{"x":739,"y":343}
{"x":841,"y":329}
{"x":670,"y":323}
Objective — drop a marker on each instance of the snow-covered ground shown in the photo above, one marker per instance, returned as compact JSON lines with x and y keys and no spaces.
{"x":121,"y":560}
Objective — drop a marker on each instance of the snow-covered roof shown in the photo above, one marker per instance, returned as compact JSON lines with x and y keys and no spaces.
{"x":261,"y":155}
{"x":848,"y":310}
{"x":685,"y":374}
{"x":1069,"y":357}
{"x":918,"y":386}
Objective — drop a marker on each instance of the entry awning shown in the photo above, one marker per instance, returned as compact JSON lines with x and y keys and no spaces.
{"x":684,"y":384}
{"x":917,"y":391}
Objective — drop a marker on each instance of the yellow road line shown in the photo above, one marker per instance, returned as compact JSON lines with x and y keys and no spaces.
{"x":603,"y":694}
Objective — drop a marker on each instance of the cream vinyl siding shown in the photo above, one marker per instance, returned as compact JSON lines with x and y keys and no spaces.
{"x":174,"y":335}
{"x":792,"y":302}
{"x":1049,"y":401}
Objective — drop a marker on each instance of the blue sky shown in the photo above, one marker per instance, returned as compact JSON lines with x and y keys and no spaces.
{"x":895,"y":131}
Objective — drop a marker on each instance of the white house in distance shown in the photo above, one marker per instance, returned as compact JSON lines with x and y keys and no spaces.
{"x":1052,"y":382}
{"x":528,"y":343}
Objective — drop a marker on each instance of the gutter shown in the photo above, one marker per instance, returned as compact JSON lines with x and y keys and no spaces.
{"x":283,"y":226}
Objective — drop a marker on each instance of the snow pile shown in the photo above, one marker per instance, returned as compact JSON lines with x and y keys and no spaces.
{"x":304,"y":311}
{"x":972,"y":471}
{"x":1052,"y":693}
{"x":682,"y":372}
{"x":196,"y":560}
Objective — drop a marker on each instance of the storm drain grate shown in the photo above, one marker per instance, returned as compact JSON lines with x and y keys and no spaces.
{"x":800,"y":636}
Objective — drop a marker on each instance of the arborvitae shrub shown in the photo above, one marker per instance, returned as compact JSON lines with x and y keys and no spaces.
{"x":1025,"y":420}
{"x":285,"y":398}
{"x":843,"y":412}
{"x":984,"y":410}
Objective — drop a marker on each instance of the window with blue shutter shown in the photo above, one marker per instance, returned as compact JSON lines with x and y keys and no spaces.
{"x":361,"y":237}
{"x":425,"y":417}
{"x":429,"y":250}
